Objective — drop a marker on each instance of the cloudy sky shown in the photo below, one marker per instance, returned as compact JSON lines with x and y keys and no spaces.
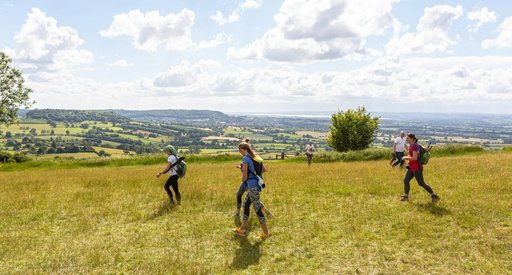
{"x":264,"y":55}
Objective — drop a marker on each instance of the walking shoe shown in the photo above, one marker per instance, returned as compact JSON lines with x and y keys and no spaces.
{"x":404,"y":198}
{"x":236,"y":214}
{"x":435,"y":198}
{"x":268,"y":213}
{"x":263,"y":236}
{"x":238,"y":231}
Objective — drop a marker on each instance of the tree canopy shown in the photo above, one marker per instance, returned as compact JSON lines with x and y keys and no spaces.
{"x":352,"y":130}
{"x":13,"y":93}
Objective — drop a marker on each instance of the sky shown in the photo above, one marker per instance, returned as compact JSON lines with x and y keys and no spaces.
{"x":263,"y":56}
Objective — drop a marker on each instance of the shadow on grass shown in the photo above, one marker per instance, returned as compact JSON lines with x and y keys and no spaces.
{"x":247,"y":254}
{"x":164,"y":209}
{"x":433,"y":208}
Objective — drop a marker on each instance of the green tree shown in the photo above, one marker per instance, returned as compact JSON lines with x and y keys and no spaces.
{"x":103,"y":153}
{"x":352,"y":130}
{"x":13,"y":93}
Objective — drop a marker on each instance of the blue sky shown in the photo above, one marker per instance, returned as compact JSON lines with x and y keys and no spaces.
{"x":264,"y":56}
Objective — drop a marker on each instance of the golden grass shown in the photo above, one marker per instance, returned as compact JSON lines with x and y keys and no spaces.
{"x":332,"y":218}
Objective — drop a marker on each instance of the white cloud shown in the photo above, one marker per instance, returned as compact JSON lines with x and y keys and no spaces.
{"x":150,"y":31}
{"x":185,"y":74}
{"x":219,"y":39}
{"x":431,"y":32}
{"x":315,"y":30}
{"x":220,"y":19}
{"x":420,"y":84}
{"x":120,"y":63}
{"x":250,"y":4}
{"x":42,"y":44}
{"x":479,"y":18}
{"x":504,"y":39}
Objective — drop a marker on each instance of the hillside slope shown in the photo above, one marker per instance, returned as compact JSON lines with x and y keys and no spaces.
{"x":332,"y":218}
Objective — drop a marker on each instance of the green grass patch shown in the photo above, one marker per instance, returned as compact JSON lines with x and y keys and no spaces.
{"x":332,"y":218}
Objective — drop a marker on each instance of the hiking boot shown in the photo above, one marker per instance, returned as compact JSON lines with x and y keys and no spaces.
{"x":404,"y":198}
{"x":263,"y":236}
{"x":236,"y":214}
{"x":172,"y":204}
{"x":435,"y":198}
{"x":238,"y":231}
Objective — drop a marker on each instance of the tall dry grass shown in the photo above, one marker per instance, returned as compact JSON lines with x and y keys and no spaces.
{"x":342,"y":217}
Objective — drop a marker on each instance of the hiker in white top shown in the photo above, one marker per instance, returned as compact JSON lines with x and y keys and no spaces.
{"x":310,"y":148}
{"x":399,"y":147}
{"x":173,"y":172}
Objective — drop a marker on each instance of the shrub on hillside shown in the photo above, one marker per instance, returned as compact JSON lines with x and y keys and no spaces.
{"x":455,"y":149}
{"x":7,"y":157}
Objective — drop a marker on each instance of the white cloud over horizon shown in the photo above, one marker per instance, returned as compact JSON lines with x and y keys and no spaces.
{"x":409,"y":82}
{"x":303,"y":55}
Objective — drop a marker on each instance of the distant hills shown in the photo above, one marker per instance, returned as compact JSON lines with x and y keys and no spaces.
{"x":195,"y":118}
{"x":174,"y":115}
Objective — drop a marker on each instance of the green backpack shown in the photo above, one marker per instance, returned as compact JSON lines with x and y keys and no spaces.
{"x":181,"y":167}
{"x":424,"y":155}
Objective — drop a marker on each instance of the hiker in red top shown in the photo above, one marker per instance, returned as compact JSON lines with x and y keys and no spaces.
{"x":415,"y":170}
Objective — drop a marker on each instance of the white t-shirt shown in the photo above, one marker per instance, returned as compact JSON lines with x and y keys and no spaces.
{"x":172,"y":159}
{"x":310,"y":149}
{"x":400,"y":144}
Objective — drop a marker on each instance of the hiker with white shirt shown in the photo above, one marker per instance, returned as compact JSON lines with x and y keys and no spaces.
{"x":399,"y":147}
{"x":310,"y":148}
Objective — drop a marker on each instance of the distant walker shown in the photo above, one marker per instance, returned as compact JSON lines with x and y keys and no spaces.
{"x":310,"y":148}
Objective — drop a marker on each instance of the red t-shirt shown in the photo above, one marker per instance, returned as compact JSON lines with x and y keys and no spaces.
{"x":414,"y":165}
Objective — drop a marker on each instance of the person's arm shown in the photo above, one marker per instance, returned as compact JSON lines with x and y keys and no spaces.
{"x":245,"y":169}
{"x":263,"y":169}
{"x":166,"y":169}
{"x":394,"y":146}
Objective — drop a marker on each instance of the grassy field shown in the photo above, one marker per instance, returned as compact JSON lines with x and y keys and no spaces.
{"x":333,"y":218}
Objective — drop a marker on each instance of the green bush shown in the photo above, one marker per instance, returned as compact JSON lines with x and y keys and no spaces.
{"x":455,"y":149}
{"x":20,"y":157}
{"x":7,"y":157}
{"x":508,"y":148}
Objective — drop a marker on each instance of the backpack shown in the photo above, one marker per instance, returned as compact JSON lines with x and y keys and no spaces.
{"x":181,"y":167}
{"x":424,"y":155}
{"x":258,"y":166}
